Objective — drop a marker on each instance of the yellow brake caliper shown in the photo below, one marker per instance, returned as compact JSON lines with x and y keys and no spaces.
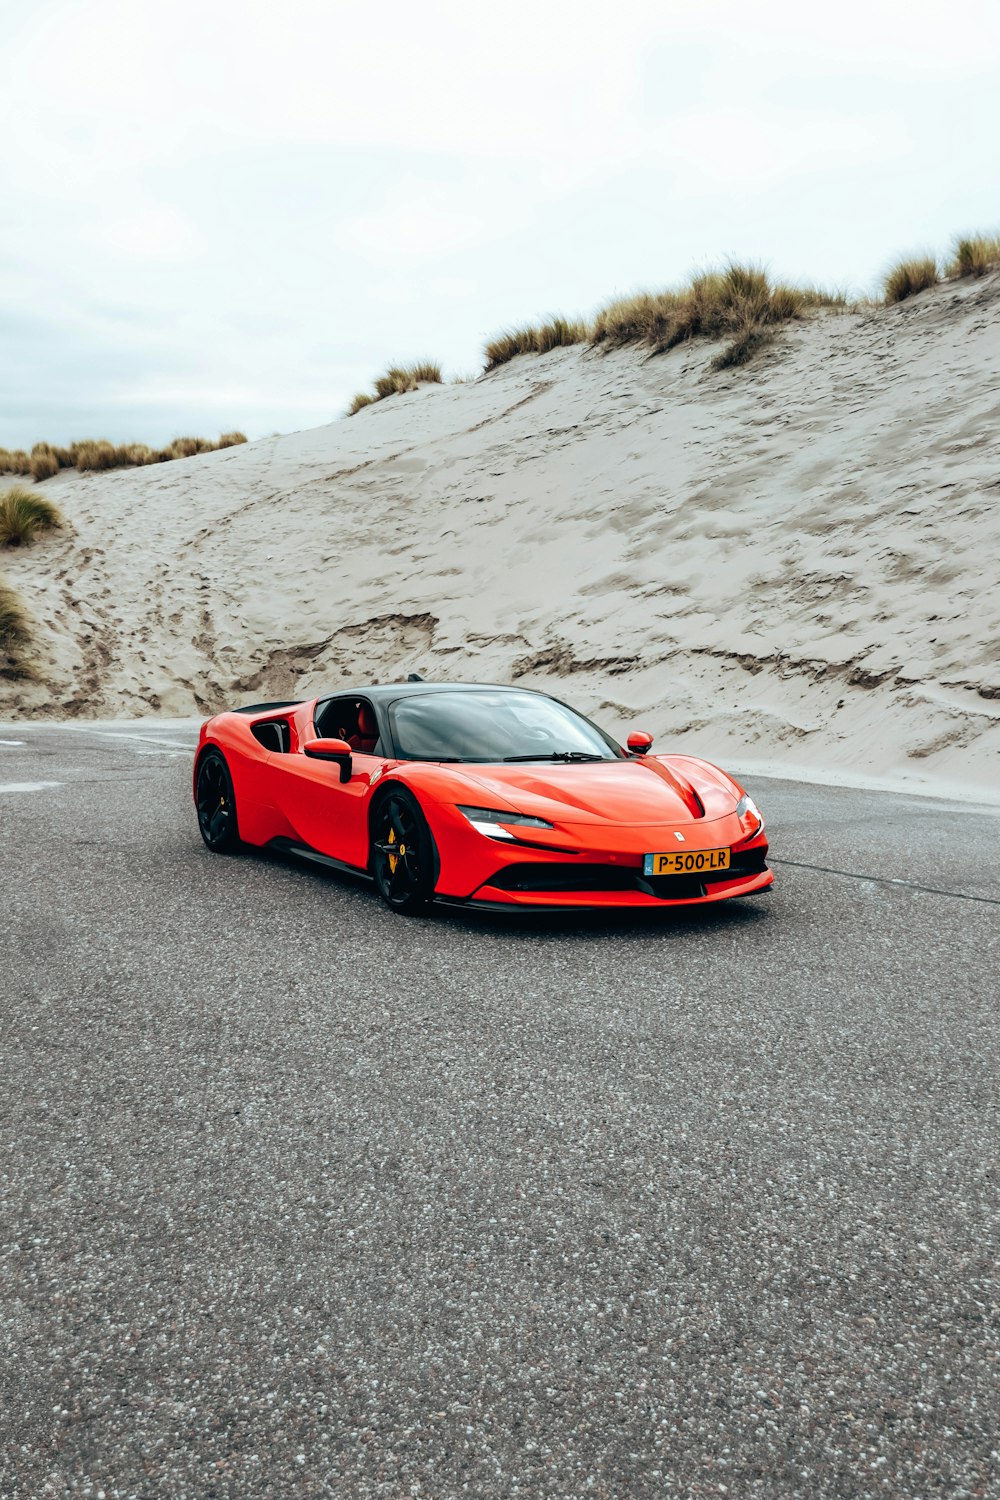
{"x":393,"y":858}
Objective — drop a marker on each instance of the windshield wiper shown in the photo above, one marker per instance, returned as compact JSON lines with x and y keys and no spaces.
{"x":564,"y":755}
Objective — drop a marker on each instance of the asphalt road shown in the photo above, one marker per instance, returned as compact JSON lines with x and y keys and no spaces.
{"x":301,"y":1198}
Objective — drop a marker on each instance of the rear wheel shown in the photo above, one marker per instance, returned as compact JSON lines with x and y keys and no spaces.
{"x":216,"y":804}
{"x":402,"y":853}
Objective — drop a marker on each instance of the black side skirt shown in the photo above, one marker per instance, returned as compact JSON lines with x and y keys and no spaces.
{"x":303,"y":851}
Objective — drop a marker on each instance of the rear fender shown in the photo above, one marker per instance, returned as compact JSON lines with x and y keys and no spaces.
{"x":259,"y":820}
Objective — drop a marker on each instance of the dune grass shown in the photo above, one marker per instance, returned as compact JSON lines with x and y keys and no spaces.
{"x":738,"y":302}
{"x":428,"y":372}
{"x":24,"y":514}
{"x":557,"y":333}
{"x":397,"y":380}
{"x":188,"y":447}
{"x":16,"y":636}
{"x":44,"y":462}
{"x":907,"y":277}
{"x":96,"y":454}
{"x":508,"y":345}
{"x":743,"y":347}
{"x":640,"y":319}
{"x":974,"y":255}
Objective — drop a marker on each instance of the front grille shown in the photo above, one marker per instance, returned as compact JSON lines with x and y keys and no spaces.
{"x":565,"y":877}
{"x":672,"y":887}
{"x":540,"y":878}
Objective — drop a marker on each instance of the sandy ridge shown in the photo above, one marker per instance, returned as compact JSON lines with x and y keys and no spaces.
{"x":795,"y":563}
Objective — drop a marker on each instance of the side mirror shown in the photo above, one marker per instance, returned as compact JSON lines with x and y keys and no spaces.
{"x":338,"y":750}
{"x":639,"y":742}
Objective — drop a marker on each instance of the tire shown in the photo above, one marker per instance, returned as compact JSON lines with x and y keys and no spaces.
{"x":405,"y":880}
{"x":215,"y":802}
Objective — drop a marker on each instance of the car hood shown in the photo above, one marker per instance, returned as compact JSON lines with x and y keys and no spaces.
{"x":627,"y":792}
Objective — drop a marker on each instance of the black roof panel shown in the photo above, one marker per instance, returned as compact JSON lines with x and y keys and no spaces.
{"x":387,"y":692}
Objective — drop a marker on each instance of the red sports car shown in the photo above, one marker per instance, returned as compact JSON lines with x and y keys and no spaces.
{"x":493,"y":797}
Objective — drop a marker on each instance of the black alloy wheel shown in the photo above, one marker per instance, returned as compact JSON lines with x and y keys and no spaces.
{"x":402,"y":853}
{"x":216,"y":804}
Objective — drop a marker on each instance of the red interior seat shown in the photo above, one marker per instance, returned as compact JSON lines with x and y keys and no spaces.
{"x":366,"y":739}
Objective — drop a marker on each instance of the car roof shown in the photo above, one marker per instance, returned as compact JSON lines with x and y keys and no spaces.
{"x":388,"y":692}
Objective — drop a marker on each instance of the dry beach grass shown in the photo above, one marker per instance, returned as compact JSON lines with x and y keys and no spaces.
{"x":975,"y":254}
{"x":24,"y":514}
{"x":738,"y":303}
{"x":557,"y":333}
{"x":397,"y":380}
{"x":908,"y":277}
{"x":45,"y":460}
{"x":15,"y":635}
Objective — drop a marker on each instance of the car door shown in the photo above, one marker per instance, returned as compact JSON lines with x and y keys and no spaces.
{"x":326,"y":813}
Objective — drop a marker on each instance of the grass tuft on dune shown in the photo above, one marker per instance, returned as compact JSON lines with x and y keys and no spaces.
{"x":908,"y":277}
{"x":44,"y":462}
{"x":557,"y":333}
{"x":16,"y":635}
{"x":97,"y":454}
{"x":24,"y":514}
{"x":639,"y":319}
{"x":975,"y":255}
{"x":742,"y":349}
{"x":738,"y":302}
{"x":397,"y":380}
{"x":188,"y":447}
{"x":508,"y":345}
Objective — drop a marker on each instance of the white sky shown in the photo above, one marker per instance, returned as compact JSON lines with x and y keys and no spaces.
{"x":224,"y":214}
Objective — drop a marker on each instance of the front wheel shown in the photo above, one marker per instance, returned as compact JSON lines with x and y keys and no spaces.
{"x":216,"y":804}
{"x":402,"y":853}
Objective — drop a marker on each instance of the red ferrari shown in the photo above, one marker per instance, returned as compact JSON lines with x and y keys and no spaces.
{"x":494,"y":797}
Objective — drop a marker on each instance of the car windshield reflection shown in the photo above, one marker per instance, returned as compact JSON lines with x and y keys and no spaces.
{"x":492,"y":727}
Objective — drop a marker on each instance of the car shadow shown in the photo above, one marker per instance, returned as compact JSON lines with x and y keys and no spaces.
{"x":677,"y":921}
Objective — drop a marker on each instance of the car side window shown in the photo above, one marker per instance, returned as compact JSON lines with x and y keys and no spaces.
{"x":334,"y":720}
{"x":274,"y":735}
{"x":353,"y":720}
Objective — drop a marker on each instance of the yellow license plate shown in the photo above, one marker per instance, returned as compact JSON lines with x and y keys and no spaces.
{"x":686,"y":862}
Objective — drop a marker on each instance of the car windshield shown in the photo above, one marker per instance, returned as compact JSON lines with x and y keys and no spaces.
{"x":492,"y":727}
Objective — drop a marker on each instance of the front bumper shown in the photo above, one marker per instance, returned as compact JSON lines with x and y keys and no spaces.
{"x":593,"y":865}
{"x":608,"y":886}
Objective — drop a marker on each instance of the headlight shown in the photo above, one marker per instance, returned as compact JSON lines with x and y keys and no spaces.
{"x":747,"y":809}
{"x":489,"y":821}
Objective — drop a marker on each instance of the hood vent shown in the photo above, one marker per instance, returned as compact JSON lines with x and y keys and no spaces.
{"x":680,"y":784}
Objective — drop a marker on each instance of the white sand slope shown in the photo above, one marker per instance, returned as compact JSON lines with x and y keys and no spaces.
{"x":794,"y":564}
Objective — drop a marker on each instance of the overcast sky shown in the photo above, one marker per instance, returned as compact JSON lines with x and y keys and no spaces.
{"x":223,"y":214}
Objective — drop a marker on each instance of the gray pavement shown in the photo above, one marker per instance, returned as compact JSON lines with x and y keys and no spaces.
{"x":301,"y":1198}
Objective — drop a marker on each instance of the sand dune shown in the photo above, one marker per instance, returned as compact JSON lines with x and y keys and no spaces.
{"x":793,"y":564}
